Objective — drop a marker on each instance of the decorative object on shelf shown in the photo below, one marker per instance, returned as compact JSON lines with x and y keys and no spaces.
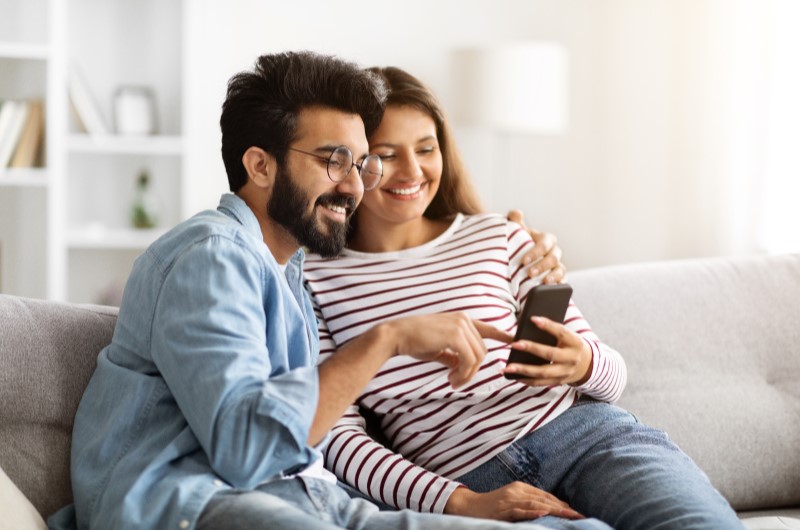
{"x":29,"y":148}
{"x":13,"y":116}
{"x":135,"y":110}
{"x":144,"y":213}
{"x":86,"y":111}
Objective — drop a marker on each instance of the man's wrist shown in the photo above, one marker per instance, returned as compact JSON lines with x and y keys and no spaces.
{"x":383,"y":339}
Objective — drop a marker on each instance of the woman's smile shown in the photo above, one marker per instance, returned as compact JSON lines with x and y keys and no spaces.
{"x":406,"y":192}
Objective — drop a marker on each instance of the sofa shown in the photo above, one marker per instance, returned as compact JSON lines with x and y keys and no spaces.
{"x":712,"y":347}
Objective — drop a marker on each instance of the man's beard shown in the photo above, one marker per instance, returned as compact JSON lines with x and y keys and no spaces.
{"x":287,"y":206}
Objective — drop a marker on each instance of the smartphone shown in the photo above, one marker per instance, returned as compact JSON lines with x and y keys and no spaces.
{"x":548,"y":301}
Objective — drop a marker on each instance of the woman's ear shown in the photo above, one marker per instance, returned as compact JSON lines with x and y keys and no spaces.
{"x":260,"y":166}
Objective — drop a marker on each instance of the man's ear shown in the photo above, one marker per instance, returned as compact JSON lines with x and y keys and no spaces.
{"x":260,"y":166}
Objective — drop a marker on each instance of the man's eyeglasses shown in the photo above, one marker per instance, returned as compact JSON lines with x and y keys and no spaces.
{"x":340,"y":163}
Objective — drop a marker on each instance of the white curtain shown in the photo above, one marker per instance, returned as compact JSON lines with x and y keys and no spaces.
{"x":763,"y":137}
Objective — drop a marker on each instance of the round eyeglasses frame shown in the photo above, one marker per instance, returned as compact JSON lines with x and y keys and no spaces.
{"x":340,"y":163}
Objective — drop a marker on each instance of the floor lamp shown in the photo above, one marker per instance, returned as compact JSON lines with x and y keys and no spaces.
{"x":503,"y":91}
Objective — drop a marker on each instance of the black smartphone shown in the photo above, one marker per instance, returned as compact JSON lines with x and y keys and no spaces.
{"x":548,"y":301}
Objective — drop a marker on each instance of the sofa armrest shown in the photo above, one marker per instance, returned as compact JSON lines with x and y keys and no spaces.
{"x":48,"y":351}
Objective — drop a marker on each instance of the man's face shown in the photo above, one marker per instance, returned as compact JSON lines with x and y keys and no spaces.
{"x":304,"y":200}
{"x":289,"y":205}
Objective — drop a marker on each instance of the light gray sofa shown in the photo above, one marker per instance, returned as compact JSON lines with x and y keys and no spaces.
{"x":712,"y":346}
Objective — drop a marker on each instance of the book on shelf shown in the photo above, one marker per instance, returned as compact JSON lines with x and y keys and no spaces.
{"x":88,"y":116}
{"x":13,"y":115}
{"x":31,"y":138}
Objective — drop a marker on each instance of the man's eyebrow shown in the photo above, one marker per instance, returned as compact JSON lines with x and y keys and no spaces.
{"x":329,"y":148}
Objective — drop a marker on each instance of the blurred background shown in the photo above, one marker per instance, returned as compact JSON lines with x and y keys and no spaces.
{"x":665,"y":129}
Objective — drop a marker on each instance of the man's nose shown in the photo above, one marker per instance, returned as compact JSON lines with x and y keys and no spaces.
{"x":352,"y":184}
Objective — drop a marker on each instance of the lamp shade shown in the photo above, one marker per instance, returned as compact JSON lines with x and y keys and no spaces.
{"x":514,"y":88}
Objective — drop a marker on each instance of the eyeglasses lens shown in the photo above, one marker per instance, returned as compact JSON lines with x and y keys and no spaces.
{"x":340,"y":164}
{"x":371,"y":171}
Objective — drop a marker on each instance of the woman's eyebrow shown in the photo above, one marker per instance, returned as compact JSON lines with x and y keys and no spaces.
{"x":389,"y":144}
{"x":383,"y":144}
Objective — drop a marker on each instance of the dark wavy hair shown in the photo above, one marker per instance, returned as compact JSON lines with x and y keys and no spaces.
{"x":261,"y":105}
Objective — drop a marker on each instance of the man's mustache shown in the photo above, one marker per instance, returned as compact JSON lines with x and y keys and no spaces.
{"x":334,"y":199}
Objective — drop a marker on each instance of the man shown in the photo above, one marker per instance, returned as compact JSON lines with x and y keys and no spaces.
{"x":207,"y":410}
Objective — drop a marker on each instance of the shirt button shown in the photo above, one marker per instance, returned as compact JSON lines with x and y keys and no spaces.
{"x":184,"y":524}
{"x":218,"y":483}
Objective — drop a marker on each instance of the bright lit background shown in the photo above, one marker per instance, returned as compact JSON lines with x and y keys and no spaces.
{"x":684,"y":122}
{"x":661,"y":129}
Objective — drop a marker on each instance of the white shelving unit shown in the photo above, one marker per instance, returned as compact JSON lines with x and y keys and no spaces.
{"x":30,"y":223}
{"x":65,"y":229}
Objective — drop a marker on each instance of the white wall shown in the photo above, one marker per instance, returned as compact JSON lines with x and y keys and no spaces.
{"x":634,"y":179}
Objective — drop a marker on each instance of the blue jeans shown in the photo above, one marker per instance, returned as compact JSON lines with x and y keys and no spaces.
{"x":605,"y":464}
{"x":311,"y":504}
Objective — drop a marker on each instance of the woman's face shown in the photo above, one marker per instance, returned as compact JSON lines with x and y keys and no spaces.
{"x":412,"y":166}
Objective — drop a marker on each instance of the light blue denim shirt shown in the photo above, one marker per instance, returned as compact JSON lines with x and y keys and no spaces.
{"x":209,"y":381}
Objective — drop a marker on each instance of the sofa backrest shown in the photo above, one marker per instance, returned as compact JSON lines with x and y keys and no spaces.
{"x":48,"y":352}
{"x":712,"y":348}
{"x":713,"y":354}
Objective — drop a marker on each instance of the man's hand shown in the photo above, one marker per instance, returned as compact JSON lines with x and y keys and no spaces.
{"x":513,"y":502}
{"x":570,"y":361}
{"x":452,"y":339}
{"x":545,"y":248}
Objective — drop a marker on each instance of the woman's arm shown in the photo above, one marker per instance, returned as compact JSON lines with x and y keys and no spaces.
{"x":380,"y":473}
{"x":386,"y":476}
{"x":580,"y":358}
{"x":357,"y":459}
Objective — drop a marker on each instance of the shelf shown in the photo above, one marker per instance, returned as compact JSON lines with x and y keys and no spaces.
{"x":66,"y":228}
{"x":23,"y":50}
{"x":23,"y":177}
{"x":104,"y":238}
{"x":115,"y":144}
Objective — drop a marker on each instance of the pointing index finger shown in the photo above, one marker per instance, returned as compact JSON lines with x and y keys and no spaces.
{"x":487,"y":331}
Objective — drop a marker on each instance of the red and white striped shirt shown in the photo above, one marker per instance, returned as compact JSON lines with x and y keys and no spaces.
{"x":436,"y":433}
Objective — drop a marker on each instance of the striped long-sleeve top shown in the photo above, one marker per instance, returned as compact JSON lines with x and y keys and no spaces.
{"x":435,"y":433}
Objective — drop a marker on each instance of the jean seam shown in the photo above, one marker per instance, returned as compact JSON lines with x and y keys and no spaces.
{"x":521,"y":468}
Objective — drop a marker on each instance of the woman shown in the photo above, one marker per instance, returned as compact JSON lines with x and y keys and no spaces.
{"x":496,"y":448}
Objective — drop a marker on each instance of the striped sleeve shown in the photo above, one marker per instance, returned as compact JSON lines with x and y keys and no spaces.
{"x":609,"y":373}
{"x":380,"y":473}
{"x":519,"y":243}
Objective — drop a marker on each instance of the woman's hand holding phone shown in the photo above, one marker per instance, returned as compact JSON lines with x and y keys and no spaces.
{"x":568,"y":362}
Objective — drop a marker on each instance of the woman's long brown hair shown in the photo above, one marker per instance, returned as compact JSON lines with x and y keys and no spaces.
{"x":456,"y":193}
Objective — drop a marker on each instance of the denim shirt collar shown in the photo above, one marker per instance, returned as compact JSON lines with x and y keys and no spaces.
{"x":234,"y":207}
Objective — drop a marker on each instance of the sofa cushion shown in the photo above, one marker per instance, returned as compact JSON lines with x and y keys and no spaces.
{"x":48,"y":352}
{"x":713,"y":354}
{"x":18,"y":512}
